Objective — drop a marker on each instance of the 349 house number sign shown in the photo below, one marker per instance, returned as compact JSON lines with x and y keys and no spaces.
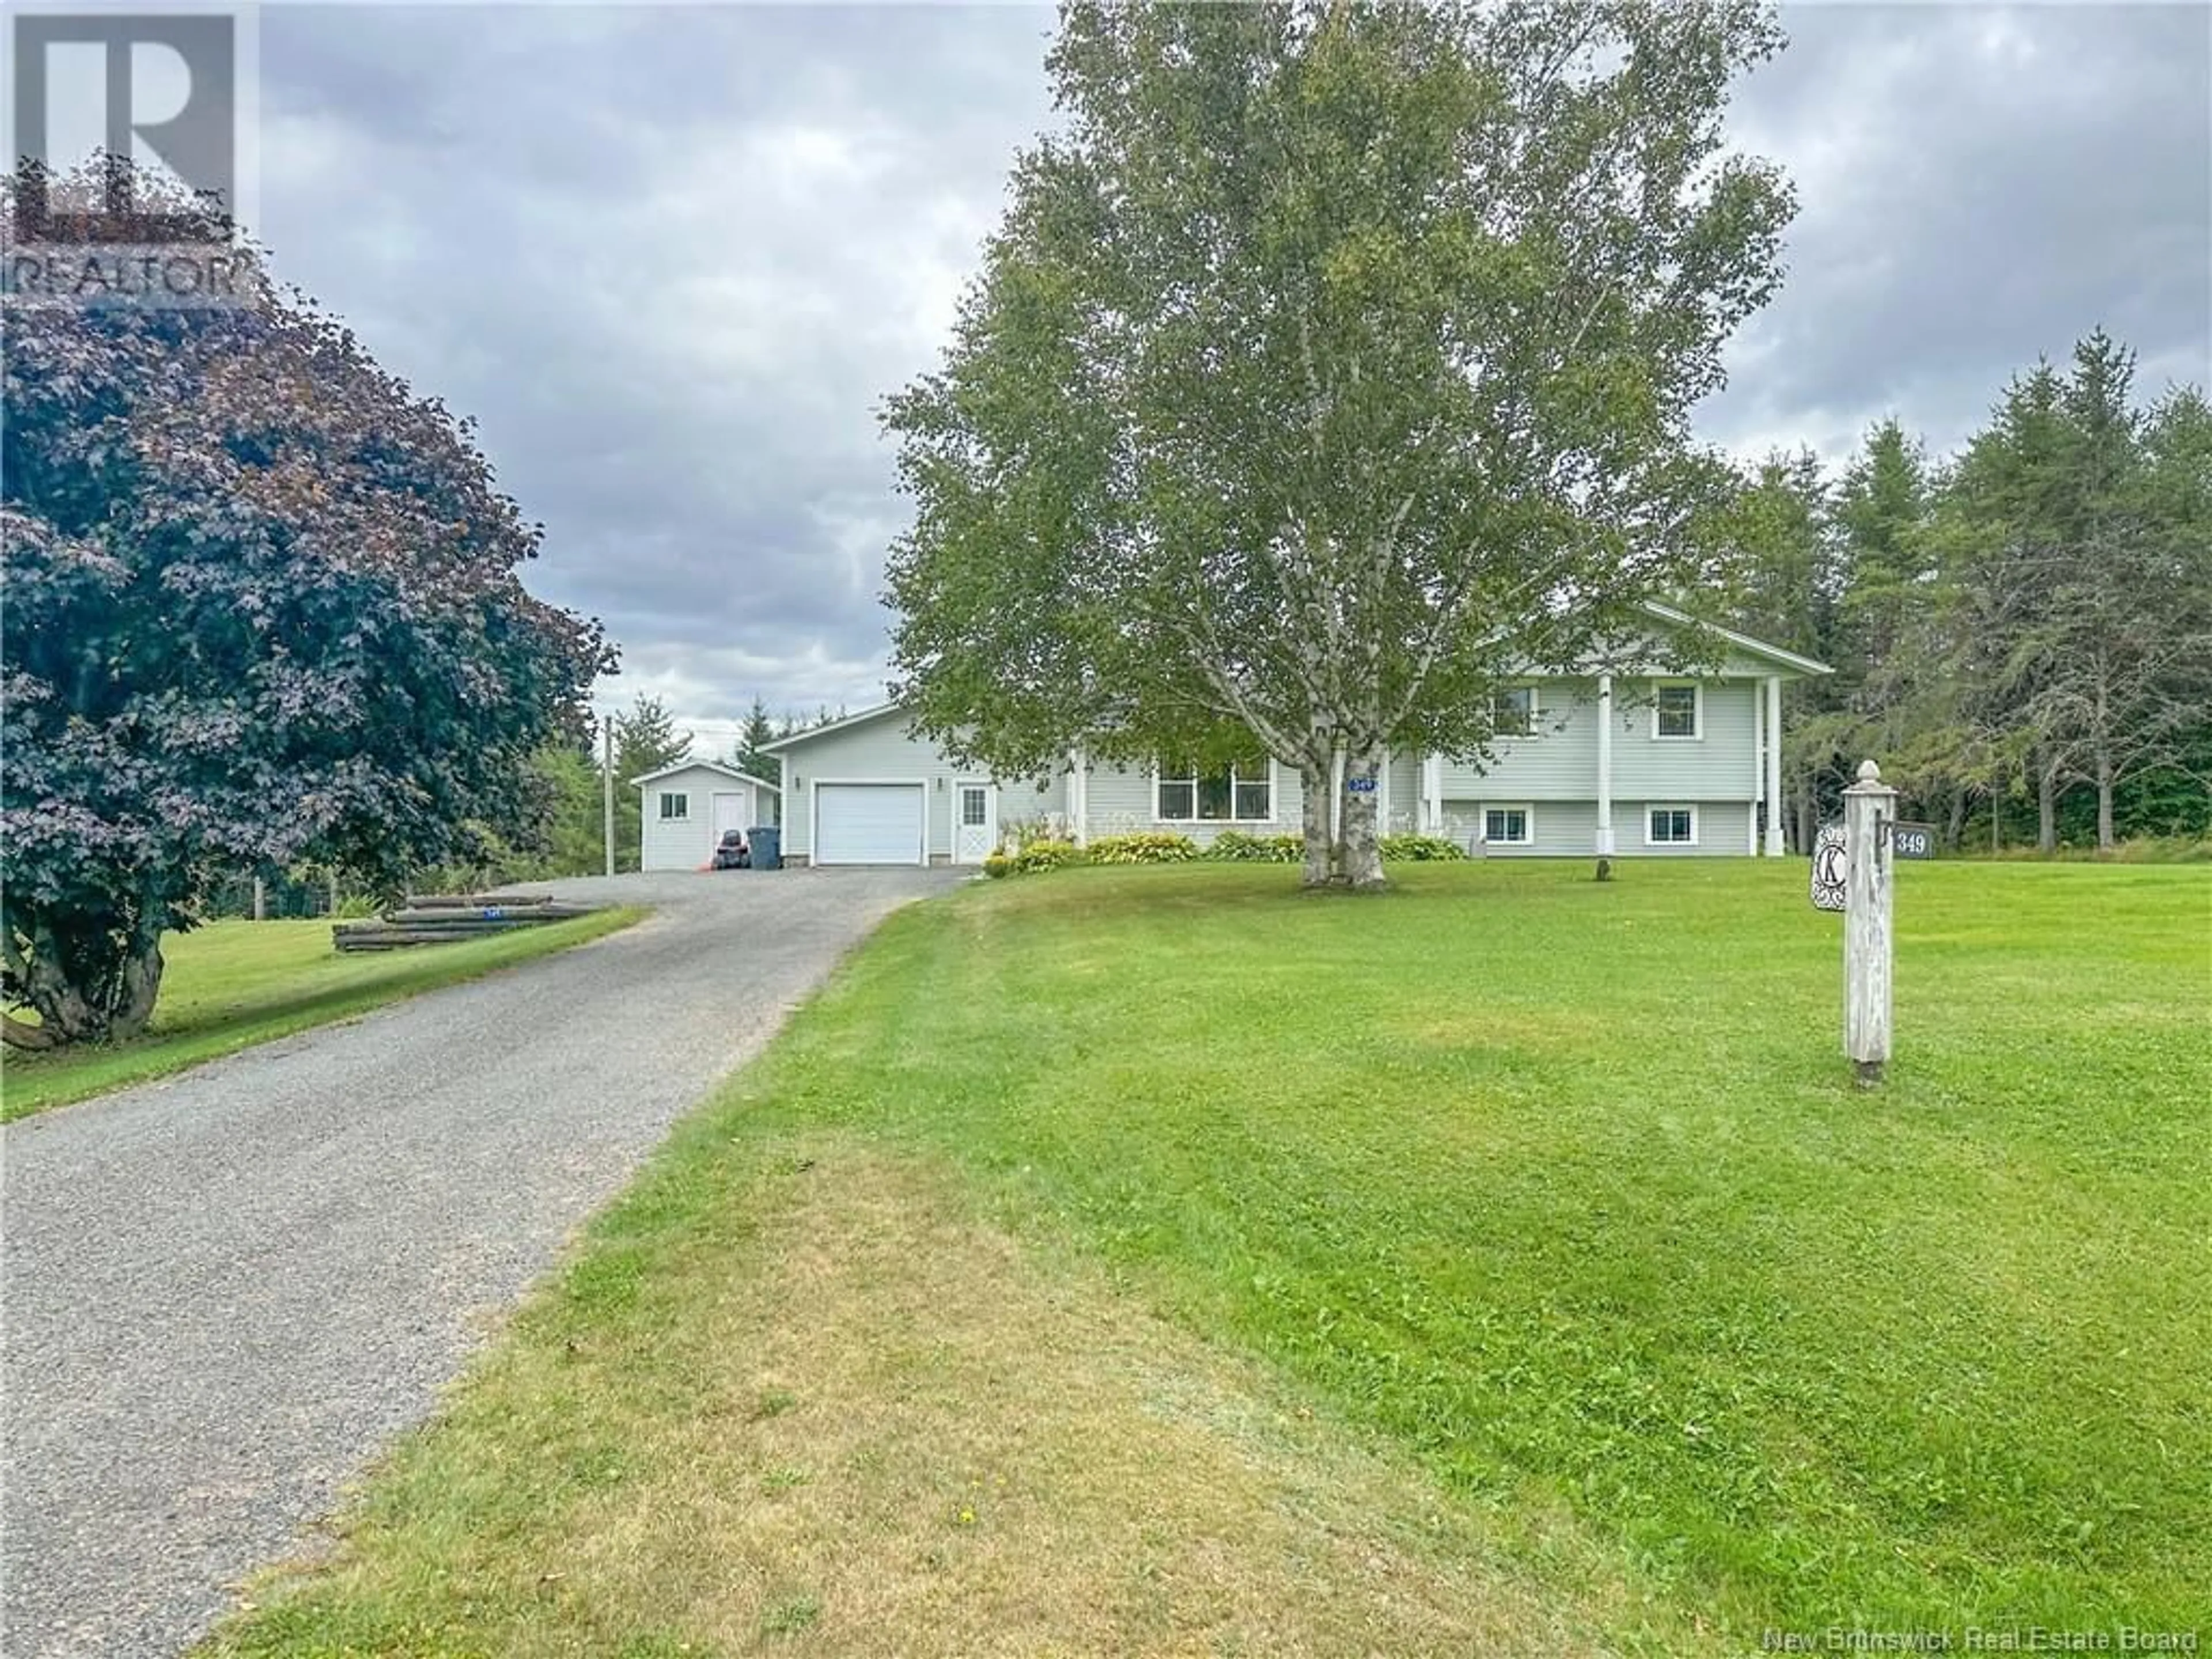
{"x":1912,"y":841}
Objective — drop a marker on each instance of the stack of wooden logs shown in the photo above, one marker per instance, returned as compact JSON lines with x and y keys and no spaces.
{"x":439,"y":919}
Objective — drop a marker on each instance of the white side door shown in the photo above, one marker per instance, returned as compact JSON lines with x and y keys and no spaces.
{"x":975,"y":821}
{"x":729,"y":814}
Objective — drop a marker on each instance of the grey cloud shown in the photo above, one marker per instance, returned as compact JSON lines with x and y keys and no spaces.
{"x":673,"y":257}
{"x":1980,"y":186}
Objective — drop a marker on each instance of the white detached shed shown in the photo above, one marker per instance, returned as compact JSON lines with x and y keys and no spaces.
{"x":686,"y":806}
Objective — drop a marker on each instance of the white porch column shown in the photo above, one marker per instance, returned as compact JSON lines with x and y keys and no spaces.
{"x":1774,"y":766}
{"x":1432,"y":794}
{"x":1079,"y":798}
{"x":1757,"y":771}
{"x":1383,"y":797}
{"x":1605,"y":766}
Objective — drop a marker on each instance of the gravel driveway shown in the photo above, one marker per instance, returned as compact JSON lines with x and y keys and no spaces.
{"x":225,"y":1292}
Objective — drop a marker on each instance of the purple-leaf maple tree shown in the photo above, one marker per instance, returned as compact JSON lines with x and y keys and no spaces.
{"x":263,"y":604}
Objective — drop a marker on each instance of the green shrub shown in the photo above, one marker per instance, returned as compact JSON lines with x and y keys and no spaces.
{"x":996,"y":864}
{"x":1148,"y":847}
{"x":1049,"y":855}
{"x":1420,"y":849}
{"x":1234,"y":846}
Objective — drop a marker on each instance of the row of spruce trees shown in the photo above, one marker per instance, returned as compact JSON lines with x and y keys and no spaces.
{"x":2022,"y":634}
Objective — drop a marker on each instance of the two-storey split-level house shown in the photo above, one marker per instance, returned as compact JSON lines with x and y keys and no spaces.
{"x":1624,"y":764}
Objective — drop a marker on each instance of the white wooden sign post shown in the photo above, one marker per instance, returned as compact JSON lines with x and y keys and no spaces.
{"x":1867,"y":815}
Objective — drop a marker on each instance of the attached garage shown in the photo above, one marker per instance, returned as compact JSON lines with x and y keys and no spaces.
{"x":870,"y":824}
{"x":869,"y":789}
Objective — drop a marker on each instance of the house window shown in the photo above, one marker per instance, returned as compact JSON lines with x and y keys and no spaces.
{"x":1242,"y":793}
{"x":675,"y":806}
{"x":1508,"y":826}
{"x":1674,"y":712}
{"x":1513,"y":711}
{"x":1671,"y":826}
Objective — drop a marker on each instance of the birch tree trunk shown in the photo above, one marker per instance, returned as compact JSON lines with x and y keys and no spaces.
{"x":2046,"y":807}
{"x":1321,"y":863}
{"x":1363,"y":855}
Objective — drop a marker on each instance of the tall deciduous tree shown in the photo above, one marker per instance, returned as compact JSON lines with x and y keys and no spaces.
{"x":263,"y":606}
{"x":1335,"y":364}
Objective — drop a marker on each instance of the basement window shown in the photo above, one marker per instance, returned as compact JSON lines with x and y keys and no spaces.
{"x":1508,"y":826}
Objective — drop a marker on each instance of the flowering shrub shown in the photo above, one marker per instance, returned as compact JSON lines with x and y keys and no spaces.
{"x":1146,"y":847}
{"x":1420,"y":849}
{"x":1236,"y":847}
{"x":1046,"y":854}
{"x":997,"y":865}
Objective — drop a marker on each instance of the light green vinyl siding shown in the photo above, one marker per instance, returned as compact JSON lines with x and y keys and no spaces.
{"x":1717,"y":764}
{"x":1723,"y":829}
{"x":1562,"y":829}
{"x":1121,"y":804}
{"x":1568,"y":829}
{"x":1558,"y":762}
{"x":1402,"y":795}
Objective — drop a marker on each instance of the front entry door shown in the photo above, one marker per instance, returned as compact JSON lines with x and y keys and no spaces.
{"x":974,"y":822}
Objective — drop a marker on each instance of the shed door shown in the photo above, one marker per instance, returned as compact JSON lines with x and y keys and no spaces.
{"x":729,"y":812}
{"x":868,"y":824}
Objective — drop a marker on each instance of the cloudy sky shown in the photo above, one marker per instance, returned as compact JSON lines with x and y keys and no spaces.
{"x":673,"y":258}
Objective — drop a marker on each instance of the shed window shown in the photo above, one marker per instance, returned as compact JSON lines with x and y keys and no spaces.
{"x":1675,"y":715}
{"x":1241,"y":793}
{"x":675,"y":805}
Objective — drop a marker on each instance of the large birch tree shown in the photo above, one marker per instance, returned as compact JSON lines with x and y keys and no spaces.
{"x":1332,"y":365}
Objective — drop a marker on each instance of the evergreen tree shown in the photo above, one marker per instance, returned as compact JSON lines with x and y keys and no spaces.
{"x":645,"y":740}
{"x":750,"y":754}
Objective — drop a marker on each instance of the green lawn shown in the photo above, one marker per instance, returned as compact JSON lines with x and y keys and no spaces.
{"x":232,"y":984}
{"x":1560,"y":1190}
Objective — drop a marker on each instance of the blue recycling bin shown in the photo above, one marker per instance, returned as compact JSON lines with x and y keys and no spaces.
{"x":767,"y":845}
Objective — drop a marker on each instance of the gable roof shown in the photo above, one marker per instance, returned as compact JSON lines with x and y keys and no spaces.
{"x":705,"y":766}
{"x":1741,"y":642}
{"x":865,"y":715}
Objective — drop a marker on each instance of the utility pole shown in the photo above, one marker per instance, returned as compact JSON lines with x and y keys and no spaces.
{"x":607,"y":782}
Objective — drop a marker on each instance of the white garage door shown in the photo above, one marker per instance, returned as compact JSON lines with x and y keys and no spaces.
{"x":867,"y":823}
